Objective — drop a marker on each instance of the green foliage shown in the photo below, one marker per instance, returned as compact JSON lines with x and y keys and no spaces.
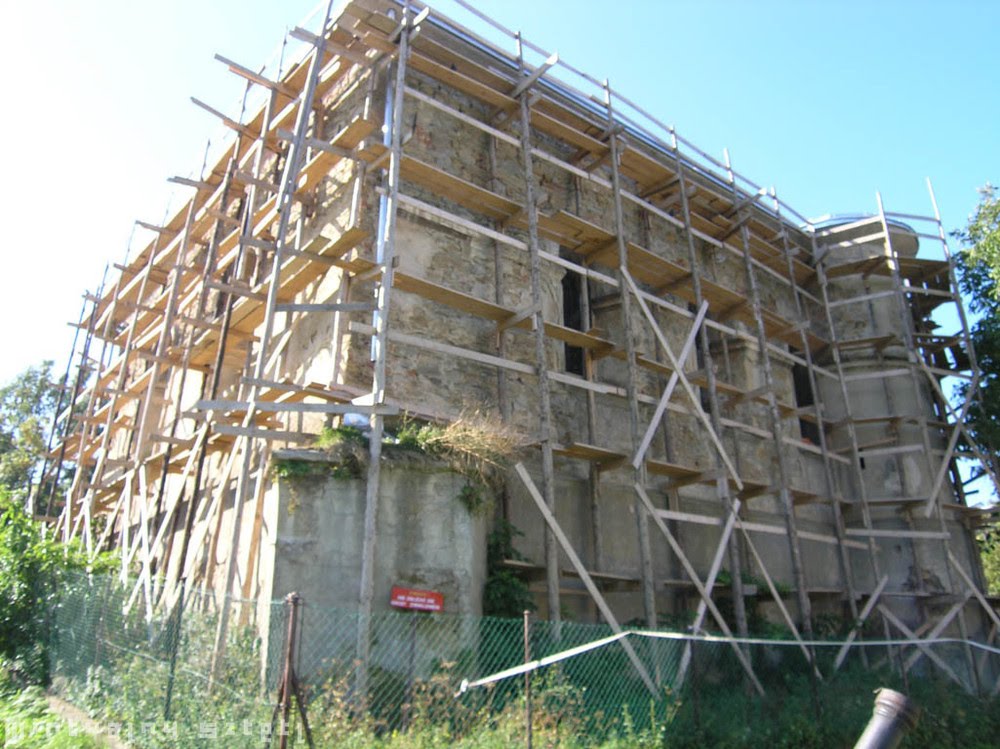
{"x":786,"y":719}
{"x":473,"y":445}
{"x":334,"y":436}
{"x":27,"y":723}
{"x":347,"y":451}
{"x":32,"y":569}
{"x":290,"y":468}
{"x":758,"y":624}
{"x":26,"y":407}
{"x":725,"y":579}
{"x":978,"y":265}
{"x":505,"y":594}
{"x":989,"y":552}
{"x":980,"y":254}
{"x":476,"y":498}
{"x":115,"y":666}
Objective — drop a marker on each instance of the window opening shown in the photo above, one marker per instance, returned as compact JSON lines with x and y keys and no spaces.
{"x":573,"y":318}
{"x":804,"y":397}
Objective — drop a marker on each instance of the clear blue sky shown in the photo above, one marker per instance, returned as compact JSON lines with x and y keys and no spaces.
{"x":828,"y":102}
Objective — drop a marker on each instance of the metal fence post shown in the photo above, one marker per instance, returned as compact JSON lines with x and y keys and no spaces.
{"x":527,"y":679}
{"x":289,"y":688}
{"x":174,"y":633}
{"x":286,"y":680}
{"x":411,"y":669}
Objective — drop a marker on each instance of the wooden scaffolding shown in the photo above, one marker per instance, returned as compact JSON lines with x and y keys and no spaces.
{"x":179,"y":396}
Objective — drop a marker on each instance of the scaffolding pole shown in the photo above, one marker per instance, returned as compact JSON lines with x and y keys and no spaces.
{"x":632,"y":383}
{"x":544,"y":395}
{"x":380,"y":341}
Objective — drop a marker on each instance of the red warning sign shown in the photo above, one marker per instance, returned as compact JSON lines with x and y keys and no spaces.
{"x":421,"y":600}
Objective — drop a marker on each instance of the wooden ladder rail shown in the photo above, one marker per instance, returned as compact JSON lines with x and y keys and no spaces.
{"x":847,"y":573}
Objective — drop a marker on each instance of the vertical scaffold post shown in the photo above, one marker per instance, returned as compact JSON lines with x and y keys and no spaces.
{"x":991,"y":459}
{"x":544,"y":396}
{"x":819,"y":413}
{"x":386,"y":259}
{"x":848,"y":420}
{"x":915,"y":360}
{"x":67,"y":422}
{"x":286,"y":197}
{"x":216,"y":377}
{"x":784,"y":478}
{"x":32,"y":490}
{"x":632,"y":383}
{"x":721,"y":484}
{"x":527,"y":680}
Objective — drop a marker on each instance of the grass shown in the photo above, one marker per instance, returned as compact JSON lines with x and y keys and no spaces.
{"x":27,"y":723}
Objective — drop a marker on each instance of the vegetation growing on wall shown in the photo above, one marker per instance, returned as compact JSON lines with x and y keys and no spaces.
{"x":475,"y":445}
{"x":505,"y":595}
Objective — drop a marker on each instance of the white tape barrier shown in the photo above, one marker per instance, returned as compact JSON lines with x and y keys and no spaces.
{"x":548,"y":660}
{"x":540,"y":663}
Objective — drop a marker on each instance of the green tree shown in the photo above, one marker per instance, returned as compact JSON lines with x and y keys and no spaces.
{"x":32,"y":570}
{"x":26,"y":406}
{"x":32,"y":567}
{"x":978,"y":265}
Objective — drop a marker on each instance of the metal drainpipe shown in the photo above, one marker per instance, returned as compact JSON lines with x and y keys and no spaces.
{"x":893,"y":717}
{"x":383,"y":198}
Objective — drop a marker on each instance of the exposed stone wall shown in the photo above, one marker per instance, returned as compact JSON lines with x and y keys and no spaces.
{"x":311,"y":538}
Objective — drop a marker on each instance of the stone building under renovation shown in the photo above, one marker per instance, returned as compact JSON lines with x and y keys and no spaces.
{"x":717,"y":397}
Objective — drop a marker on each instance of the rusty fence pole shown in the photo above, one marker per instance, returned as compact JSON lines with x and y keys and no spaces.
{"x":285,"y":696}
{"x":289,"y":689}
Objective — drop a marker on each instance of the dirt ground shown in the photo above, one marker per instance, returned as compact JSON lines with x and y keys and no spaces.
{"x":76,"y":716}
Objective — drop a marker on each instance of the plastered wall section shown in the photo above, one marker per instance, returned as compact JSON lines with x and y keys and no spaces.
{"x":427,"y":539}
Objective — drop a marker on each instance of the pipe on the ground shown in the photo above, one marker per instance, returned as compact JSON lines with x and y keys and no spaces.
{"x":893,"y":717}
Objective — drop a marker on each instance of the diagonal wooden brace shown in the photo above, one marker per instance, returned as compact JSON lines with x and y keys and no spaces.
{"x":661,"y":407}
{"x":990,"y":612}
{"x":952,"y":442}
{"x":584,"y":575}
{"x":868,"y":608}
{"x":960,"y":425}
{"x":912,"y":636}
{"x":705,"y":596}
{"x":695,"y":402}
{"x":776,"y":597}
{"x":713,"y":572}
{"x":938,"y":628}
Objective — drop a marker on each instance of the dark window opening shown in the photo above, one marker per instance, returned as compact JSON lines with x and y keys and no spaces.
{"x":573,"y":318}
{"x":699,"y":357}
{"x":804,"y":397}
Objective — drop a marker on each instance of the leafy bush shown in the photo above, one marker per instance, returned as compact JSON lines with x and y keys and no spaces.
{"x":32,"y":569}
{"x":27,"y":723}
{"x":505,"y":593}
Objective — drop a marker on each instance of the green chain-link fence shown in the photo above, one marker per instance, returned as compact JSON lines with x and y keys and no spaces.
{"x":437,"y":680}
